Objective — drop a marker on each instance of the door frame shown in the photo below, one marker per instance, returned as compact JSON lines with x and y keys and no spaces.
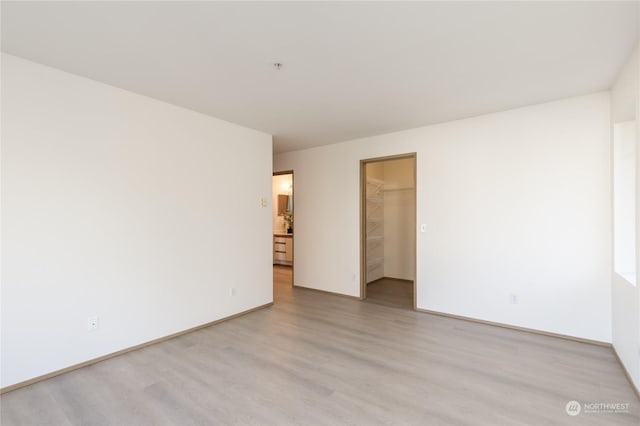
{"x":293,"y":236}
{"x":363,"y":220}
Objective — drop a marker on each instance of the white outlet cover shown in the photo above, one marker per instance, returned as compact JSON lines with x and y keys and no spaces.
{"x":92,"y":323}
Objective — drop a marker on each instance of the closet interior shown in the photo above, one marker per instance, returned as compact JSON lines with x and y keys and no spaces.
{"x":389,"y":206}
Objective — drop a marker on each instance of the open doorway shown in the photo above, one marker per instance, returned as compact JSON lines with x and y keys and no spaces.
{"x":388,"y":231}
{"x":283,"y":232}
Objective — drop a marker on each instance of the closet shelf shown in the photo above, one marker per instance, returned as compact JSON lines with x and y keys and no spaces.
{"x":374,"y":228}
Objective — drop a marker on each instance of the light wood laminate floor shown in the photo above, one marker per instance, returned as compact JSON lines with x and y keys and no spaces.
{"x":321,"y":359}
{"x":391,"y":292}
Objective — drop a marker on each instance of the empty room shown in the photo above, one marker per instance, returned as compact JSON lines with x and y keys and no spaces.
{"x":319,"y":213}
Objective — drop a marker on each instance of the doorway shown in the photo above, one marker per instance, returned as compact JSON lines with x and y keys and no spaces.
{"x":388,"y":231}
{"x":282,"y":189}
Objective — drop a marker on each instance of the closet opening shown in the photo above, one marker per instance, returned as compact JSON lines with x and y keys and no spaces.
{"x":388,"y":231}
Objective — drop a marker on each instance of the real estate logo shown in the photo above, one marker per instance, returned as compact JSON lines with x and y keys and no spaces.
{"x":573,"y":408}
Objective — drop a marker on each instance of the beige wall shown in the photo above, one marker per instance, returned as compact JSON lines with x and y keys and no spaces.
{"x":399,"y":219}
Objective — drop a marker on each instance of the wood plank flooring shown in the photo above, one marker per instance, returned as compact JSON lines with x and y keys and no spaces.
{"x":391,"y":292}
{"x":320,"y":359}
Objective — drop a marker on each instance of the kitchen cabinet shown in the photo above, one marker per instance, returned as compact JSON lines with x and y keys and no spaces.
{"x":283,"y":249}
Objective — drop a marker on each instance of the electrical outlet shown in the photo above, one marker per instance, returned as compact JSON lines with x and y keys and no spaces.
{"x":263,"y":202}
{"x":232,"y":291}
{"x":92,"y":323}
{"x":513,"y":299}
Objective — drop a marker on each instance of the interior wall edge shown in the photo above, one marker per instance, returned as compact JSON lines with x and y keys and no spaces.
{"x":636,"y":390}
{"x":517,"y":327}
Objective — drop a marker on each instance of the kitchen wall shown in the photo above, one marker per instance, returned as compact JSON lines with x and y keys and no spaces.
{"x":281,"y":184}
{"x":516,"y":204}
{"x":625,"y":104}
{"x":120,"y":206}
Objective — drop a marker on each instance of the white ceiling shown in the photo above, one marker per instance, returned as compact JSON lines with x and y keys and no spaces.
{"x":351,"y":69}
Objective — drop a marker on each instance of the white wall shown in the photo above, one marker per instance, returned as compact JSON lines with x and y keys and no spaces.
{"x":399,"y":219}
{"x":625,"y":96}
{"x":624,"y":202}
{"x":516,"y":202}
{"x":121,"y":206}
